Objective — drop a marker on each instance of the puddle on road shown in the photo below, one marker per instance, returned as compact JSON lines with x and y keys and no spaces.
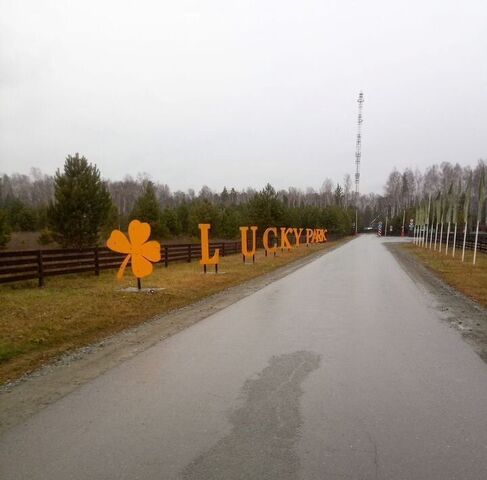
{"x":265,"y":428}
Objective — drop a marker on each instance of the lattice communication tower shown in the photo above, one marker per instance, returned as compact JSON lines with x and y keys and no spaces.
{"x":358,"y":155}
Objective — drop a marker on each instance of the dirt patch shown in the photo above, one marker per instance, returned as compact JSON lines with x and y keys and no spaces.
{"x":31,"y":393}
{"x":461,"y":312}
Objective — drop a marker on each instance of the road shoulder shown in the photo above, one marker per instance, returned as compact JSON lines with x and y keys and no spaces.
{"x":461,"y":312}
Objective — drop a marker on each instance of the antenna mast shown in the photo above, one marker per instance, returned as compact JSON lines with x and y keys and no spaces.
{"x":358,"y":156}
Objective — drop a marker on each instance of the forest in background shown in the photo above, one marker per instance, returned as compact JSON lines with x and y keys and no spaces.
{"x":25,"y":200}
{"x":443,"y":193}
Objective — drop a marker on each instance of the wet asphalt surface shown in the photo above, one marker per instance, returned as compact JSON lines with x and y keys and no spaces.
{"x":343,"y":369}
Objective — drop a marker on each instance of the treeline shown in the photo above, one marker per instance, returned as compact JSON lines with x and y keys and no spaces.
{"x":77,"y":208}
{"x":408,"y":188}
{"x":37,"y":190}
{"x":25,"y":201}
{"x":443,"y":193}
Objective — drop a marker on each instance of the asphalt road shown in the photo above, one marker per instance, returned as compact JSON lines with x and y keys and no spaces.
{"x":343,"y":369}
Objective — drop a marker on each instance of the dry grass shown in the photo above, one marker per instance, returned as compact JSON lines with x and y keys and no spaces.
{"x":38,"y":324}
{"x":469,"y":279}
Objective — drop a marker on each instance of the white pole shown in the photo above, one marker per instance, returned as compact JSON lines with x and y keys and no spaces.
{"x":436,"y":233}
{"x":454,"y":240}
{"x":464,"y":240}
{"x":431,"y":235}
{"x":414,"y":235}
{"x":476,"y":240}
{"x":441,"y":237}
{"x":425,"y":224}
{"x":447,"y":238}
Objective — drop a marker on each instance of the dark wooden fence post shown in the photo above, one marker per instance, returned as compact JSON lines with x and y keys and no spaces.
{"x":40,"y":268}
{"x":189,"y":253}
{"x":223,"y":249}
{"x":166,"y":256}
{"x":97,"y":263}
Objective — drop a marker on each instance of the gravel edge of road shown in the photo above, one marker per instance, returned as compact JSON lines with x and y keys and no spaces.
{"x":462,"y":313}
{"x":31,"y":393}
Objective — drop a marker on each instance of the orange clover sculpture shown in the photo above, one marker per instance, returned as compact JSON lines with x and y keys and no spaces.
{"x":138,"y":248}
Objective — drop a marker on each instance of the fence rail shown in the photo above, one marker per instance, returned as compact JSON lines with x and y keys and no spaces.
{"x":22,"y":265}
{"x":469,"y":242}
{"x":18,"y":266}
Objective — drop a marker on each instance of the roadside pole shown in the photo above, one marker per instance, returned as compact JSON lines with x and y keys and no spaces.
{"x":464,"y":240}
{"x":436,"y":234}
{"x":425,"y":243}
{"x":447,"y":238}
{"x":441,"y":237}
{"x":454,"y":240}
{"x":466,"y":211}
{"x":431,"y":234}
{"x":476,"y":241}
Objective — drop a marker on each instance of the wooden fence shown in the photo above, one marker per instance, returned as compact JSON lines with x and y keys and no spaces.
{"x":17,"y":266}
{"x":38,"y":264}
{"x":469,"y":242}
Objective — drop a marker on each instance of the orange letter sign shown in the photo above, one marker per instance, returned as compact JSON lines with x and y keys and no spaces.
{"x":297,"y":235}
{"x":205,"y":248}
{"x":284,"y":240}
{"x":309,"y":236}
{"x":265,"y":240}
{"x":245,"y":252}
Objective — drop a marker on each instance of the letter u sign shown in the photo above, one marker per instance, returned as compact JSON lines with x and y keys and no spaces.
{"x":246,"y":253}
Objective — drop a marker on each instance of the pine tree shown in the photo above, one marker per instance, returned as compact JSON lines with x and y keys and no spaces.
{"x":20,"y":217}
{"x":224,"y":196}
{"x":4,"y":230}
{"x":229,"y":224}
{"x":338,"y":195}
{"x":81,"y":204}
{"x":171,"y":221}
{"x":265,"y":209}
{"x":203,"y":211}
{"x":147,"y":209}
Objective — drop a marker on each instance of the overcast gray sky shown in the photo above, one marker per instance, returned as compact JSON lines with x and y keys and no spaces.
{"x":240,"y":93}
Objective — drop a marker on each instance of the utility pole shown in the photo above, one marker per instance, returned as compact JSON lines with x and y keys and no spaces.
{"x":358,"y":156}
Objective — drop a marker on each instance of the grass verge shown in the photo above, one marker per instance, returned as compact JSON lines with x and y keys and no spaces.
{"x":469,"y":279}
{"x":39,"y":324}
